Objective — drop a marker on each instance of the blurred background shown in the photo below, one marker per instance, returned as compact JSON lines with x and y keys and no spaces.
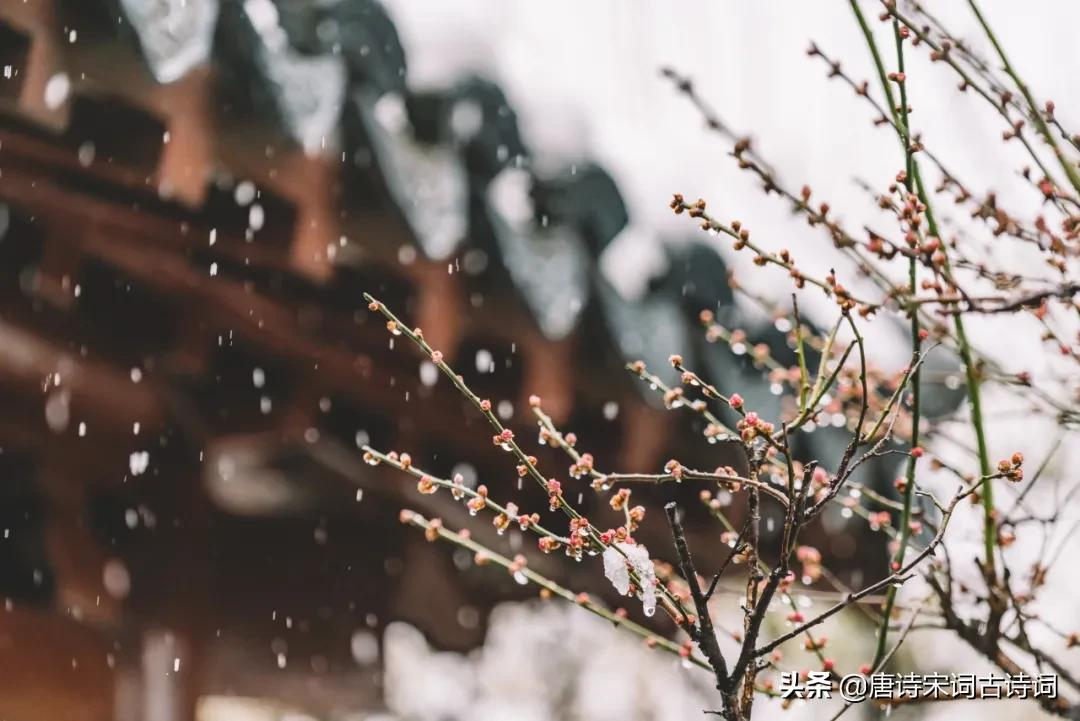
{"x":194,"y":194}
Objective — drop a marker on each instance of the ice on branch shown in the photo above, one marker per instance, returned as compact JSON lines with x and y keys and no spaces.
{"x":617,"y":568}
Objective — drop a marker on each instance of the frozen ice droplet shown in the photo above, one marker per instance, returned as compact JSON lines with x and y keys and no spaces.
{"x":244,"y":193}
{"x":138,"y":462}
{"x":364,"y":647}
{"x":429,"y":373}
{"x":485,"y":362}
{"x":57,"y":90}
{"x":86,"y":154}
{"x":611,"y":410}
{"x":256,"y":217}
{"x":58,"y":410}
{"x":116,"y":579}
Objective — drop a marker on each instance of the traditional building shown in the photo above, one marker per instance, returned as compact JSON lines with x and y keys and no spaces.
{"x":193,"y":198}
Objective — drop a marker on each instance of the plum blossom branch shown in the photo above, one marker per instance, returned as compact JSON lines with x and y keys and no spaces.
{"x":434,"y":530}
